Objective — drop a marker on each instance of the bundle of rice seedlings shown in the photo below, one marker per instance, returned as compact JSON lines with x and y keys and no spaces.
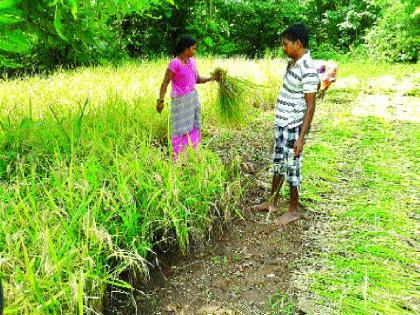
{"x":231,"y":99}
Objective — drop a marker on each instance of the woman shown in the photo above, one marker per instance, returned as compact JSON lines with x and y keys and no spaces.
{"x":185,"y":103}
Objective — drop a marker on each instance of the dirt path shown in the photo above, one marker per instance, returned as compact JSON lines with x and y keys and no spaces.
{"x":245,"y":272}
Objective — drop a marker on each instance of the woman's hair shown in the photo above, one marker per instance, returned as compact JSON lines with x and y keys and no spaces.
{"x":184,"y":42}
{"x":296,"y":32}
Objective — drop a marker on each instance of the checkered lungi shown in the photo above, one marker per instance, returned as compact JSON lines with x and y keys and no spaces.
{"x":284,"y":161}
{"x":185,"y":113}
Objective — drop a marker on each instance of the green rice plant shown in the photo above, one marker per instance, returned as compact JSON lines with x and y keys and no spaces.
{"x":281,"y":303}
{"x":232,"y":96}
{"x":88,"y":189}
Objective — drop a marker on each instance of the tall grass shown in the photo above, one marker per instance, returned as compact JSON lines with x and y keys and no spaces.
{"x":87,"y":188}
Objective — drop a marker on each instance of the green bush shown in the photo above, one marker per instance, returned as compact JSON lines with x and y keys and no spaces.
{"x":395,"y":38}
{"x":340,"y":25}
{"x":44,"y":34}
{"x":252,"y":28}
{"x":242,"y":28}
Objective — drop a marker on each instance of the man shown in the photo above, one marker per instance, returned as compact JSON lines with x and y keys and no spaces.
{"x":295,"y":108}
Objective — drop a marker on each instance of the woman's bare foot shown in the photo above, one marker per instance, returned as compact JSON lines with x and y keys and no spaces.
{"x":266,"y":207}
{"x":287,"y":218}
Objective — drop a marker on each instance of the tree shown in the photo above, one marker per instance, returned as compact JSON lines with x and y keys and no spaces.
{"x":395,"y":37}
{"x":46,"y":33}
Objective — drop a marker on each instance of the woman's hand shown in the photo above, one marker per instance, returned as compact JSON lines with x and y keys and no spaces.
{"x":159,"y":105}
{"x":165,"y":82}
{"x":214,"y":78}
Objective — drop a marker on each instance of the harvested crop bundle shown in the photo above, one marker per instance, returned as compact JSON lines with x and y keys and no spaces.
{"x":231,"y":98}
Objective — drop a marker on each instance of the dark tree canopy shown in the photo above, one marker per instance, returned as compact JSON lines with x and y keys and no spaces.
{"x":43,"y":34}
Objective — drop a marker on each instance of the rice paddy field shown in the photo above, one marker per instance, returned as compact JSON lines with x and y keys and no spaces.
{"x":88,"y":190}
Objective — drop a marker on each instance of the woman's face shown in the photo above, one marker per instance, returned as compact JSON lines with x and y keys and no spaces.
{"x":190,"y":52}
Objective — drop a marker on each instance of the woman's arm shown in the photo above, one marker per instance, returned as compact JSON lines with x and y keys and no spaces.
{"x":163,"y":87}
{"x":201,"y":80}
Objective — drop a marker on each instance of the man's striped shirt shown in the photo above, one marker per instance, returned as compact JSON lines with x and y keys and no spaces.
{"x":300,"y":78}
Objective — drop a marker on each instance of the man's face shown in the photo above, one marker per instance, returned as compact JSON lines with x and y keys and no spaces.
{"x":290,"y":48}
{"x":191,"y":51}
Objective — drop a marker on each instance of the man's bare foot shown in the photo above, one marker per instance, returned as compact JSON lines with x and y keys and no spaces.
{"x":288,"y":217}
{"x":266,"y":207}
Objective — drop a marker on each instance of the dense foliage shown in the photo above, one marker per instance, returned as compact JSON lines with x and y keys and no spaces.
{"x":395,"y":37}
{"x":41,"y":34}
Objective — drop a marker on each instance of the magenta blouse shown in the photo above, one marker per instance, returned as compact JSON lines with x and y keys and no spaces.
{"x":185,"y":76}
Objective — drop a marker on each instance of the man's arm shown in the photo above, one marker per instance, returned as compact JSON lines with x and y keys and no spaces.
{"x":307,"y":120}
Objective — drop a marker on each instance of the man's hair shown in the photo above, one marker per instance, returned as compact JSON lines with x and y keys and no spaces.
{"x":297,"y":31}
{"x":184,"y":42}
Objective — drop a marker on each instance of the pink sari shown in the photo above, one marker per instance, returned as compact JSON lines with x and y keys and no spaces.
{"x":180,"y":143}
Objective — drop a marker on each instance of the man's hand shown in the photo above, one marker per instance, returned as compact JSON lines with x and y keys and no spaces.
{"x":298,"y":147}
{"x":159,"y":106}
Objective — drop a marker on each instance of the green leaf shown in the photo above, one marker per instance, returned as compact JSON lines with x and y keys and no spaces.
{"x":7,"y":4}
{"x":54,"y":3}
{"x":73,"y":8}
{"x":208,"y":41}
{"x":4,"y":62}
{"x":58,"y":16}
{"x":11,"y":16}
{"x":10,"y":19}
{"x":15,"y":42}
